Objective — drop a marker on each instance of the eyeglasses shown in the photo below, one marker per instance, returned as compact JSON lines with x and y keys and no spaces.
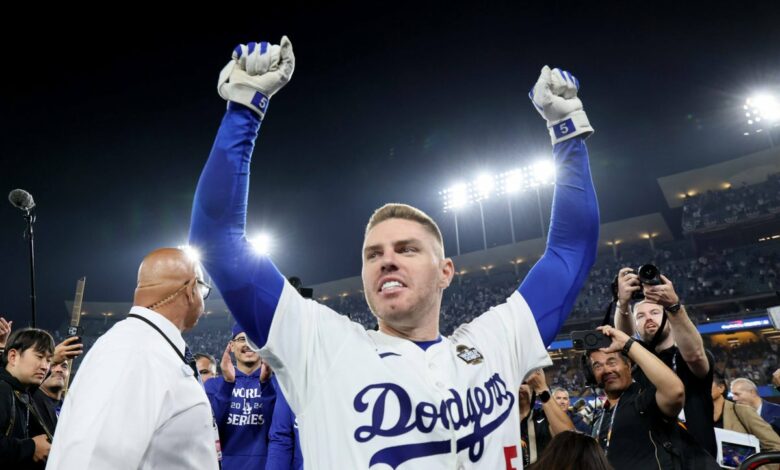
{"x":244,"y":339}
{"x":205,"y":289}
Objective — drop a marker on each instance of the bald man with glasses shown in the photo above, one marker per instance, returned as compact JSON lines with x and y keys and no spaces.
{"x":137,"y":400}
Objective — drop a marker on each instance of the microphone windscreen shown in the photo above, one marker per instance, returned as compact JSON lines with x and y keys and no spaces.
{"x":21,"y":199}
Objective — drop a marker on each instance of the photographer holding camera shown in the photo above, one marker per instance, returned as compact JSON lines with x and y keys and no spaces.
{"x":636,"y":428}
{"x":675,"y":341}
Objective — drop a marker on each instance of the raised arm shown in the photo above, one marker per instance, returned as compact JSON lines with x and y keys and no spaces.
{"x":686,"y":336}
{"x":249,"y":283}
{"x":552,"y":285}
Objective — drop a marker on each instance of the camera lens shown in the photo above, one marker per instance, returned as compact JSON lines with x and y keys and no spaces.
{"x":649,"y":274}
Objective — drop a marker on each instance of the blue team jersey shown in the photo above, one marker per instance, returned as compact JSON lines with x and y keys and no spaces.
{"x":284,"y":446}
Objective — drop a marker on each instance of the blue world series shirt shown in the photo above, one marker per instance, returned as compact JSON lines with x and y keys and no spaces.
{"x":243,"y":411}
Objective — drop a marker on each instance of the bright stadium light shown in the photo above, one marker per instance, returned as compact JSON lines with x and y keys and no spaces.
{"x":456,"y":196}
{"x":261,"y":243}
{"x":484,"y":185}
{"x":459,"y":196}
{"x":514,"y":181}
{"x":764,"y":106}
{"x":191,"y":252}
{"x":762,"y":113}
{"x":543,"y":172}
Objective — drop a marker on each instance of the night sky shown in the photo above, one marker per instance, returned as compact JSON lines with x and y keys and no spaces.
{"x":109,"y":126}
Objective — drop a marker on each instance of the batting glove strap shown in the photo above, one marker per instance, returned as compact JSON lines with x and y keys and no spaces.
{"x":573,"y":125}
{"x":246,"y":95}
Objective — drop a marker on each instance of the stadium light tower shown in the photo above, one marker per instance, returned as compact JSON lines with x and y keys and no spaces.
{"x":484,"y":186}
{"x":455,"y":198}
{"x":762,"y":112}
{"x":541,"y":173}
{"x":513,"y":184}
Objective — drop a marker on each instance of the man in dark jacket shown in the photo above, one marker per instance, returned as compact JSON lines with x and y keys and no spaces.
{"x":24,"y":439}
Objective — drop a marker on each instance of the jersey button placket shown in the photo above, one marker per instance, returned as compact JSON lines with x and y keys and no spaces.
{"x":433,"y":371}
{"x":441,"y":378}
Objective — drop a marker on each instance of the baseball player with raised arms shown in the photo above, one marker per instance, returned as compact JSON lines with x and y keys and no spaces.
{"x":402,"y":397}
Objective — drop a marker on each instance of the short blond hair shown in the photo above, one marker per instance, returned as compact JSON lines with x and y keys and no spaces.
{"x":405,"y":212}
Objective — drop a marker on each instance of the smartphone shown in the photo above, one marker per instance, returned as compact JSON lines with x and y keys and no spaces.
{"x":589,"y":339}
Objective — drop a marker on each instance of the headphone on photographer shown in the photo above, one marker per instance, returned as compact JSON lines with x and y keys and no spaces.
{"x":585,"y":365}
{"x":590,"y":378}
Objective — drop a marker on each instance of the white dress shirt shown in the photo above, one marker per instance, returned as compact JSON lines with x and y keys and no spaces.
{"x":134,"y":404}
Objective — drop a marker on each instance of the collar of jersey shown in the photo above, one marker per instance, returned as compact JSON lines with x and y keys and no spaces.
{"x":388,"y":343}
{"x":424,"y":345}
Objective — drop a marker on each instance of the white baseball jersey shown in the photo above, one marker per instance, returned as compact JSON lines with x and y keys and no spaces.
{"x":364,"y":399}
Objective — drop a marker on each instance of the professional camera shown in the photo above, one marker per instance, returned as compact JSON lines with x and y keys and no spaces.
{"x":649,"y":275}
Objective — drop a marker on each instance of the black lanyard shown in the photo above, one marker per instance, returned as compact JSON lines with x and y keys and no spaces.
{"x":529,"y":439}
{"x":611,"y":424}
{"x":192,"y":364}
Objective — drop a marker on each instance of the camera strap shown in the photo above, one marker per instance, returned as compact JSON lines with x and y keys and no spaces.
{"x":25,"y":399}
{"x":608,"y":314}
{"x":657,"y":336}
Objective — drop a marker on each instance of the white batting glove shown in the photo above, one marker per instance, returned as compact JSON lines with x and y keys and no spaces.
{"x":256,"y":72}
{"x":555,"y":97}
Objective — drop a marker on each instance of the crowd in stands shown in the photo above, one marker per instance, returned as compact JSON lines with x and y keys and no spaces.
{"x":709,"y":276}
{"x":735,"y":204}
{"x":756,"y":360}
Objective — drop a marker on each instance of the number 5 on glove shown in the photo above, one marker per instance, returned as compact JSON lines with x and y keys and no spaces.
{"x":555,"y":97}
